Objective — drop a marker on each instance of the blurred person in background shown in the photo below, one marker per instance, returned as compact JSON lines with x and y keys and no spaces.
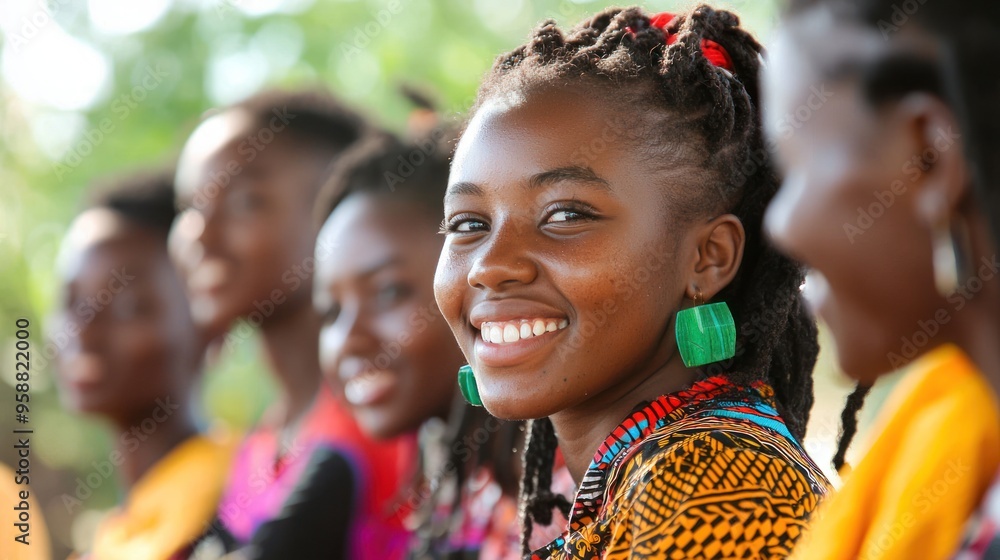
{"x":890,"y":197}
{"x":133,"y":358}
{"x":306,"y":483}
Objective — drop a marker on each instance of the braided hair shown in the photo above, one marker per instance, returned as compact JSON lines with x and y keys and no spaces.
{"x":673,"y":92}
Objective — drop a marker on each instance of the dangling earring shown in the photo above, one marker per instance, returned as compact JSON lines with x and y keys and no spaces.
{"x":705,"y":333}
{"x":949,"y":256}
{"x":467,"y":382}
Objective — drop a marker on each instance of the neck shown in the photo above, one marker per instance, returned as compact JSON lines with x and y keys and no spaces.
{"x":291,"y":347}
{"x":147,"y":439}
{"x":581,"y":430}
{"x":979,"y":329}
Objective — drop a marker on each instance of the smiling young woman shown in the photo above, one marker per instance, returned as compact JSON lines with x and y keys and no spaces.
{"x":608,"y":179}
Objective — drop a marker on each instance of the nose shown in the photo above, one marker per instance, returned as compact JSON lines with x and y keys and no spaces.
{"x":209,"y":230}
{"x":84,"y":328}
{"x":503,"y":261}
{"x":354,"y":335}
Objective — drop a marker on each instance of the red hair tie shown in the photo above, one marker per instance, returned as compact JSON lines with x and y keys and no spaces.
{"x":714,"y":52}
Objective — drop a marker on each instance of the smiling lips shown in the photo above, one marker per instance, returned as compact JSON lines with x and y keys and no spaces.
{"x":505,"y":332}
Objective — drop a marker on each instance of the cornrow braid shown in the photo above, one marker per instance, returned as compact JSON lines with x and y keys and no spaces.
{"x":537,"y":499}
{"x":701,"y":123}
{"x":849,"y":422}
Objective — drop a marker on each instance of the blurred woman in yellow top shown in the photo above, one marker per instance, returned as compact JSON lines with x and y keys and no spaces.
{"x":132,"y":357}
{"x":883,"y":201}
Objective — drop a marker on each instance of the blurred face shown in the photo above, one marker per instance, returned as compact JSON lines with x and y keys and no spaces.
{"x":129,"y":339}
{"x":383,"y":340}
{"x":847,"y":207}
{"x":559,"y":274}
{"x":250,"y":221}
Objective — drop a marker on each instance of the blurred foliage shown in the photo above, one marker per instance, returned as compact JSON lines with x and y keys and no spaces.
{"x":204,"y":55}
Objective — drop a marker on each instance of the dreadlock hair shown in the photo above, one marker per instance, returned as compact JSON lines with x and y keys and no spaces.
{"x":968,"y":32}
{"x":415,"y":171}
{"x":706,"y":123}
{"x":144,"y":198}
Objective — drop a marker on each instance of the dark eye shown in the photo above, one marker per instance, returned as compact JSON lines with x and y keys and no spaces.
{"x":464,"y":224}
{"x":331,"y":314}
{"x":575,"y":212}
{"x":244,"y":201}
{"x":128,"y":306}
{"x":564,"y":216}
{"x":391,"y":294}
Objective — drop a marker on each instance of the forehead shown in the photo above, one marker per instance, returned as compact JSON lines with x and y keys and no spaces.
{"x":812,"y":47}
{"x":101,"y":241}
{"x":211,"y":137}
{"x":366,"y":229}
{"x":809,"y":80}
{"x":534,"y":132}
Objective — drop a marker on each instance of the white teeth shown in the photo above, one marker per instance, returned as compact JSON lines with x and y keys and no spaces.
{"x":512,"y":331}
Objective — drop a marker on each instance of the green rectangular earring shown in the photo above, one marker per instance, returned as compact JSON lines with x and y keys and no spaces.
{"x":467,"y":382}
{"x":706,"y":334}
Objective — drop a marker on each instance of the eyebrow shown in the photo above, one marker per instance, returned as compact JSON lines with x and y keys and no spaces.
{"x":572,"y":173}
{"x":380,"y":266}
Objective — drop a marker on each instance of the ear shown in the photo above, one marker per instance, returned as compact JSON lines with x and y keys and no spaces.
{"x":938,"y":169}
{"x":719,"y":253}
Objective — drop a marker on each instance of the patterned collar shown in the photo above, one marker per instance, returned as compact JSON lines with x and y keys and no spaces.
{"x":648,"y":418}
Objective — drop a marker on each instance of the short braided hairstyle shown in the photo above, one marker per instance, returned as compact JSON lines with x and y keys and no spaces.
{"x":701,"y":123}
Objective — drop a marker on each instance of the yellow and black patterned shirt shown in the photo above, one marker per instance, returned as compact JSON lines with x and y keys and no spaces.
{"x":710,"y":472}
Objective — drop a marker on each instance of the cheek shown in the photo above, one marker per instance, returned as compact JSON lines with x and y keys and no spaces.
{"x":450,"y":285}
{"x":330,"y":343}
{"x":143,"y":356}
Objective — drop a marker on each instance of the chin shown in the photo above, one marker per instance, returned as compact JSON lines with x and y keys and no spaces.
{"x":506,"y":408}
{"x":376,"y":426}
{"x":864,"y":365}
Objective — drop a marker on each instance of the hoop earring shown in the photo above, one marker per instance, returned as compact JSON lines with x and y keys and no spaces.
{"x":705,"y":333}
